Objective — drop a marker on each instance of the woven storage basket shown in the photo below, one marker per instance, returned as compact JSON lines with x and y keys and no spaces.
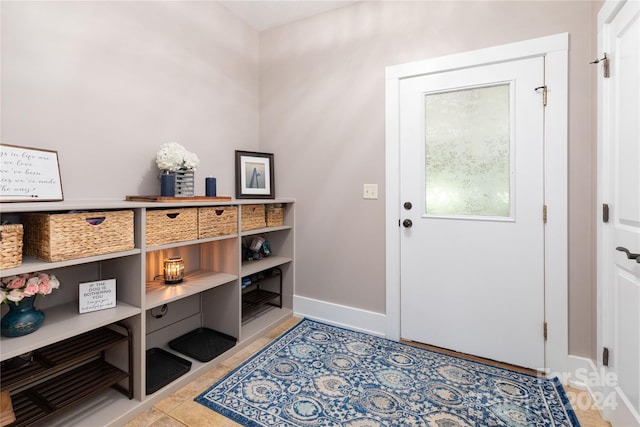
{"x":63,"y":236}
{"x":275,"y":216}
{"x":218,"y":221}
{"x":10,"y":245}
{"x":171,"y":225}
{"x":252,"y":216}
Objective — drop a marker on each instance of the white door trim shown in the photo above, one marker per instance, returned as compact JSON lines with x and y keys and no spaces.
{"x":555,"y":50}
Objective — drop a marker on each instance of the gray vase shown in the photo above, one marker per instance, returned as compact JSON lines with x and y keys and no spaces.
{"x":184,"y":183}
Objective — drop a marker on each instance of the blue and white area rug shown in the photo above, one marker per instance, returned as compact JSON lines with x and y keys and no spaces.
{"x":321,"y":375}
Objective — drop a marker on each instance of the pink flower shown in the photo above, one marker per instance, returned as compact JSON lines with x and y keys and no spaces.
{"x":15,"y":288}
{"x":44,"y":288}
{"x":31,"y":289}
{"x":16,"y":283}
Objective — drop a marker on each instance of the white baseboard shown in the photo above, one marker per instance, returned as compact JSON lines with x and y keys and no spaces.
{"x":340,"y":315}
{"x":583,"y":374}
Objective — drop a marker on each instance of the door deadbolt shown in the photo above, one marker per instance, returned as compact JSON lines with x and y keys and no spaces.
{"x":408,"y":205}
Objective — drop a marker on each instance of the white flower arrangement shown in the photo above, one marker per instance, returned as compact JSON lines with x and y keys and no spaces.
{"x":173,"y":156}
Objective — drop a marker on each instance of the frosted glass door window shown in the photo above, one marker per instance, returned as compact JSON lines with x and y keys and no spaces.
{"x":468,"y":151}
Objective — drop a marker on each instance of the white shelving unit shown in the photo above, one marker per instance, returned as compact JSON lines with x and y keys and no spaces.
{"x":209,"y":297}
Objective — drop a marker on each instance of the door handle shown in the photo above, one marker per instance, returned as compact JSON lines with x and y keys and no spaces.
{"x":407,"y":223}
{"x":629,"y":254}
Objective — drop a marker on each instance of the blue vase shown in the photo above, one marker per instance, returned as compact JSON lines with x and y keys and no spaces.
{"x":22,"y":319}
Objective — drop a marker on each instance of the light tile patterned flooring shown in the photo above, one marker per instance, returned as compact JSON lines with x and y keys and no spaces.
{"x":179,"y":409}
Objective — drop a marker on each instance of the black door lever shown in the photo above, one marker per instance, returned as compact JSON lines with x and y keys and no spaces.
{"x":629,"y":254}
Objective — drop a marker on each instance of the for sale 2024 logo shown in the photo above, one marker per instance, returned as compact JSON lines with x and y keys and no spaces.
{"x":602,"y":386}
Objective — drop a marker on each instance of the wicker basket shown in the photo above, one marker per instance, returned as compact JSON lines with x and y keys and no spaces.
{"x":252,"y":216}
{"x":275,"y":216}
{"x":10,"y":245}
{"x":218,"y":221}
{"x":171,"y":225}
{"x":64,"y":236}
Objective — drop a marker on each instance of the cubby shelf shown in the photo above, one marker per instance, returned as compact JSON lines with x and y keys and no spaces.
{"x":195,"y":282}
{"x":64,"y":322}
{"x":253,"y":267}
{"x":210,"y":296}
{"x":36,"y":405}
{"x":30,"y":264}
{"x":264,"y":230}
{"x":60,"y":375}
{"x":60,"y":356}
{"x":190,"y":242}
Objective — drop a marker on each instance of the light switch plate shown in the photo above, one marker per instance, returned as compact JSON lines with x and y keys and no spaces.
{"x":370,"y":191}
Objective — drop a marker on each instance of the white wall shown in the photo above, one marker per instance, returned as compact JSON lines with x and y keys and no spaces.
{"x":322,"y":113}
{"x":106,"y":83}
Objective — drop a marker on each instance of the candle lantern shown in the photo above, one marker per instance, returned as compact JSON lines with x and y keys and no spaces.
{"x":173,"y":270}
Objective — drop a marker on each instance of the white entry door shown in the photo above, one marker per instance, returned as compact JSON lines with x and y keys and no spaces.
{"x":472,"y":189}
{"x":619,"y":179}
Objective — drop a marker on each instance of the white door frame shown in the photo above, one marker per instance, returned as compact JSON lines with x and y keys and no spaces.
{"x":555,"y":50}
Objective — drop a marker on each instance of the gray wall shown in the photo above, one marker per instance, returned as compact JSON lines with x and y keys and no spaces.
{"x":106,"y":83}
{"x":322,"y":113}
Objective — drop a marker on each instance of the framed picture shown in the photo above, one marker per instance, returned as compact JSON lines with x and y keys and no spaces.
{"x":29,"y":175}
{"x":254,"y":175}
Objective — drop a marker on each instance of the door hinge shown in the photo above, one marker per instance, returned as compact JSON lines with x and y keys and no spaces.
{"x":544,"y":94}
{"x":545,"y":330}
{"x":606,"y":70}
{"x":544,"y":214}
{"x":605,"y":212}
{"x":605,"y":356}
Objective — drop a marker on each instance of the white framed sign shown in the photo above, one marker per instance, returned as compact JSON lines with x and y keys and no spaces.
{"x":98,"y":295}
{"x":29,"y":175}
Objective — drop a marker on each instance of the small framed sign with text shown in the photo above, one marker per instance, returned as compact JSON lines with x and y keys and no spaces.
{"x":29,"y":175}
{"x":98,"y":295}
